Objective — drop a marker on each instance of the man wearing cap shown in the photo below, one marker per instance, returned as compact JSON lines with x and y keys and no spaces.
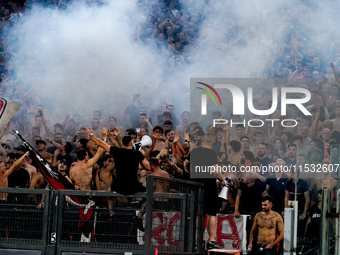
{"x":41,"y":146}
{"x":20,"y":149}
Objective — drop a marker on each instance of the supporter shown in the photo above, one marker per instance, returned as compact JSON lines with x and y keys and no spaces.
{"x":174,"y":119}
{"x":55,"y":143}
{"x":249,"y":195}
{"x":132,"y":111}
{"x":70,"y":129}
{"x":244,"y":141}
{"x":160,"y":185}
{"x":291,"y":155}
{"x":41,"y":145}
{"x":95,"y":126}
{"x":276,"y":187}
{"x":81,"y":173}
{"x":267,"y":238}
{"x":205,"y":156}
{"x":19,"y":178}
{"x":296,"y":185}
{"x":14,"y":176}
{"x":324,"y":182}
{"x":233,"y":153}
{"x":261,"y":155}
{"x":184,"y":126}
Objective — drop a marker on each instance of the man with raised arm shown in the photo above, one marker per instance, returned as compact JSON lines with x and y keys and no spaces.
{"x":267,"y":223}
{"x":5,"y":173}
{"x":127,"y":161}
{"x":81,"y":173}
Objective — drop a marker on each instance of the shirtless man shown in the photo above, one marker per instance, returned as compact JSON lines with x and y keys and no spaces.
{"x":5,"y":173}
{"x":267,"y":223}
{"x":41,"y":146}
{"x":81,"y":173}
{"x":104,"y":179}
{"x":160,"y":185}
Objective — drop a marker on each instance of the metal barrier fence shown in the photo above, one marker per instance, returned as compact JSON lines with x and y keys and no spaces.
{"x":64,"y":225}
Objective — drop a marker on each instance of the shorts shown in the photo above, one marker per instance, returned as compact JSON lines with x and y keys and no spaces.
{"x":260,"y":249}
{"x":210,"y":200}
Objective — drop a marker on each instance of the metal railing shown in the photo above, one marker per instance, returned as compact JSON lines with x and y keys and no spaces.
{"x":65,"y":225}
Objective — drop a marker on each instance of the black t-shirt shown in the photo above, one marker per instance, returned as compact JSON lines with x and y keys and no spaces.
{"x":264,"y":162}
{"x":302,"y":187}
{"x":126,"y":162}
{"x":289,"y":162}
{"x":315,"y":214}
{"x":203,"y":158}
{"x":19,"y":179}
{"x":251,"y":198}
{"x":277,"y":191}
{"x":200,"y":160}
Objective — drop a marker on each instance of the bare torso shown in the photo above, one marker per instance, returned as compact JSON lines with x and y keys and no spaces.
{"x":267,"y":226}
{"x":160,"y":185}
{"x":105,"y":176}
{"x":3,"y":184}
{"x":81,"y":174}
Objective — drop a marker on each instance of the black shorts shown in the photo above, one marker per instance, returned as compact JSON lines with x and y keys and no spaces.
{"x":210,"y":199}
{"x":260,"y":249}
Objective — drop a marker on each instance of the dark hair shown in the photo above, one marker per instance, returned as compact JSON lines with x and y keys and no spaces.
{"x":292,"y":145}
{"x":11,"y":155}
{"x":169,"y":105}
{"x":154,"y":161}
{"x":106,"y":157}
{"x":83,"y":142}
{"x":249,"y":155}
{"x":239,"y":125}
{"x":81,"y":154}
{"x":36,"y":128}
{"x":236,"y":145}
{"x":244,"y":137}
{"x":269,"y":198}
{"x":168,"y":122}
{"x":143,"y":114}
{"x":154,"y":154}
{"x":68,"y":148}
{"x":166,"y":113}
{"x":298,"y":137}
{"x":126,"y":140}
{"x":158,"y":128}
{"x":265,"y":145}
{"x":132,"y":132}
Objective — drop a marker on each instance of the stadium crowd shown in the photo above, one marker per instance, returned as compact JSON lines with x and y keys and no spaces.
{"x":67,"y":144}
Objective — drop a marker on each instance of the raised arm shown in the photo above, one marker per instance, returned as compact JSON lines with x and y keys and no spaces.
{"x":95,"y":158}
{"x":97,"y":141}
{"x":15,"y":164}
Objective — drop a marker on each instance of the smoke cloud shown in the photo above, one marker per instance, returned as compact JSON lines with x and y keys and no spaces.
{"x":88,"y":57}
